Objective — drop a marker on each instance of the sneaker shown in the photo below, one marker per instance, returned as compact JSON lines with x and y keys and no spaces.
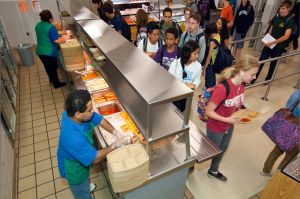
{"x":218,"y":175}
{"x":61,"y":84}
{"x":265,"y":174}
{"x":92,"y":187}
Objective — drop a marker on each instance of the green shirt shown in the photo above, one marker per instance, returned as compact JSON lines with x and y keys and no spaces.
{"x":46,"y":34}
{"x":279,"y":26}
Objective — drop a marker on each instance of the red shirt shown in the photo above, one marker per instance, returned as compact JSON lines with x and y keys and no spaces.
{"x":227,"y":13}
{"x":234,"y":100}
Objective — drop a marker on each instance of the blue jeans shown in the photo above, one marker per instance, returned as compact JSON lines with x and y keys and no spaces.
{"x":222,"y":141}
{"x":82,"y":190}
{"x":210,"y":77}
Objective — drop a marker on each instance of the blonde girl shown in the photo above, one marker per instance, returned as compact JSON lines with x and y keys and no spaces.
{"x":223,"y":104}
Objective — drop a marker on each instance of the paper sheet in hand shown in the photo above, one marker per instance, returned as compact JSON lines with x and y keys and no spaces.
{"x":267,"y":39}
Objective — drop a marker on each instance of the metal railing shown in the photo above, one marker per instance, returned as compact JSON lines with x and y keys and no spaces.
{"x":269,"y":82}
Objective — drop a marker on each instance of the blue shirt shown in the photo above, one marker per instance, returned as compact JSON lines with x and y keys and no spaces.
{"x":292,"y":100}
{"x":53,"y":36}
{"x":73,"y":143}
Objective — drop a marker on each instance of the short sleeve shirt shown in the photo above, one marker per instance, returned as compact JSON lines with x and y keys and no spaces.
{"x":164,"y":58}
{"x":73,"y":143}
{"x":279,"y":26}
{"x":234,"y":100}
{"x":227,"y":13}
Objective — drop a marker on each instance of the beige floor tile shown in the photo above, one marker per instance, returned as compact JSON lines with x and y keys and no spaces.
{"x":60,"y":117}
{"x":53,"y":196}
{"x":52,"y":126}
{"x":48,"y":102}
{"x":56,"y":173}
{"x":24,"y":96}
{"x":38,"y":110}
{"x":45,"y":189}
{"x":44,"y":177}
{"x":25,"y":119}
{"x":26,"y":125}
{"x":54,"y":162}
{"x":41,"y":146}
{"x":46,"y":93}
{"x":40,"y":137}
{"x":26,"y":150}
{"x":28,"y":194}
{"x":42,"y":155}
{"x":26,"y":183}
{"x":45,"y":88}
{"x":36,"y":100}
{"x":40,"y":129}
{"x":26,"y":171}
{"x":100,"y":182}
{"x":59,"y":106}
{"x":47,"y":97}
{"x":43,"y":165}
{"x":38,"y":116}
{"x":65,"y":194}
{"x":25,"y":102}
{"x":51,"y":119}
{"x":53,"y":142}
{"x":35,"y":95}
{"x":25,"y":113}
{"x":103,"y":193}
{"x":49,"y":107}
{"x":53,"y":133}
{"x":60,"y":111}
{"x":37,"y":105}
{"x":50,"y":113}
{"x":61,"y":184}
{"x":25,"y":133}
{"x":26,"y":141}
{"x":39,"y":122}
{"x":53,"y":152}
{"x":59,"y":100}
{"x":25,"y":107}
{"x":26,"y":160}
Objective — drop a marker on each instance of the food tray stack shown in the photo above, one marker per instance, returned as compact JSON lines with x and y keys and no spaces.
{"x":72,"y":55}
{"x":128,"y":167}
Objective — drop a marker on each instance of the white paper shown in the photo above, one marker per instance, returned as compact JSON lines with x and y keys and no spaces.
{"x":267,"y":39}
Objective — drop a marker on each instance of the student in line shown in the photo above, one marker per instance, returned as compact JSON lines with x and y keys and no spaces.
{"x":116,"y":20}
{"x":141,"y":25}
{"x":223,"y":104}
{"x":243,"y":20}
{"x":187,"y":69}
{"x":227,"y":13}
{"x":280,"y":29}
{"x":167,"y":22}
{"x":152,"y":43}
{"x":185,"y":24}
{"x":223,"y":31}
{"x":195,"y":33}
{"x":167,"y":53}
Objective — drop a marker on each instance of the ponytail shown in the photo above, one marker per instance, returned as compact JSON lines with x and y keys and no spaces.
{"x":227,"y":73}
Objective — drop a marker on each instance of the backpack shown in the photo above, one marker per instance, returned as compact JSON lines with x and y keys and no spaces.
{"x":174,"y":25}
{"x":205,"y":97}
{"x":126,"y":31}
{"x":203,"y":9}
{"x":145,"y":43}
{"x":163,"y":50}
{"x":197,"y":37}
{"x":223,"y":59}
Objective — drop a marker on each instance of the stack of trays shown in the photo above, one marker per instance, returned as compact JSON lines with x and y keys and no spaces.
{"x":128,"y":167}
{"x":72,"y":54}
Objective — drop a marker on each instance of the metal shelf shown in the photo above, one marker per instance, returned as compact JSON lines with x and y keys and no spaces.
{"x":130,"y":2}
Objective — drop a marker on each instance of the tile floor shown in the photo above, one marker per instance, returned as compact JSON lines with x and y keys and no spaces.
{"x":38,"y":118}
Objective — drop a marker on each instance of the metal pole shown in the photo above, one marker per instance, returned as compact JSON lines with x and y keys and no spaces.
{"x":271,"y":81}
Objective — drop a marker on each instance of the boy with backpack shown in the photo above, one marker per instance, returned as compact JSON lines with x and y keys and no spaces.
{"x":152,"y":43}
{"x":195,"y":33}
{"x":168,"y":22}
{"x":117,"y":21}
{"x":280,"y":29}
{"x":167,"y":53}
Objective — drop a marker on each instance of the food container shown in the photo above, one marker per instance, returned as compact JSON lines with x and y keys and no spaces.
{"x":128,"y":167}
{"x":109,"y":108}
{"x":103,"y":97}
{"x":95,"y":85}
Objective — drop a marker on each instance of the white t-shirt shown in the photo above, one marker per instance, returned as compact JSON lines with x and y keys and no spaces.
{"x":150,"y":47}
{"x":193,"y":71}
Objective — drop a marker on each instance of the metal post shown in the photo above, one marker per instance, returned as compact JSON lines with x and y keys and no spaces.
{"x":265,"y":97}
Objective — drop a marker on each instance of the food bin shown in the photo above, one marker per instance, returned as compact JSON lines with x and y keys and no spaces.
{"x":109,"y":108}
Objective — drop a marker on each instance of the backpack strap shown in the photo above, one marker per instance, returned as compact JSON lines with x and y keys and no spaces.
{"x":178,"y":52}
{"x":215,"y":41}
{"x":184,"y":37}
{"x":198,"y":37}
{"x":227,"y":88}
{"x":145,"y":41}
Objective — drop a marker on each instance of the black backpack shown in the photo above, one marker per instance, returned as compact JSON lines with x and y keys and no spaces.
{"x":126,"y":31}
{"x":145,"y":43}
{"x":223,"y":59}
{"x":203,"y":7}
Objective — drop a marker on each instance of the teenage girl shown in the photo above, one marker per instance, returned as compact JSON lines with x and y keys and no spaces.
{"x":187,"y":68}
{"x":220,"y":108}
